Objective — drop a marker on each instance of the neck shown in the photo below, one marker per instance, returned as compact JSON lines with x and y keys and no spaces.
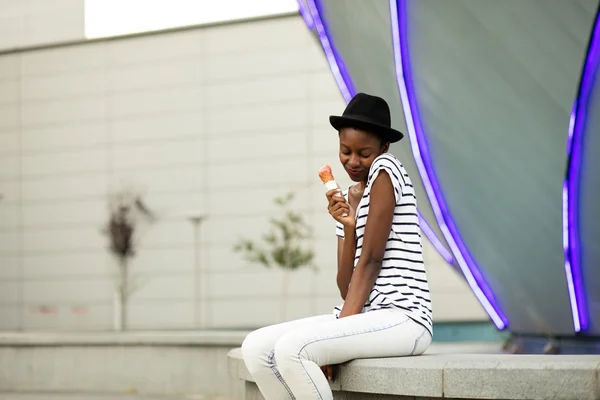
{"x":361,"y":185}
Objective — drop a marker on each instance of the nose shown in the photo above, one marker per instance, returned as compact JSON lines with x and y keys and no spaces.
{"x":353,"y":162}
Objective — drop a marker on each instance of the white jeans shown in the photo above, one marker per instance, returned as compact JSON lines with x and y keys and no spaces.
{"x":285,"y":359}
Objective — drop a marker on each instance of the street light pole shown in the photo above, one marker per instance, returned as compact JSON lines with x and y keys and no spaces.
{"x":196,"y":219}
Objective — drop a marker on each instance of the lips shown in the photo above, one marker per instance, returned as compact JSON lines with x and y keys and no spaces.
{"x":353,"y":172}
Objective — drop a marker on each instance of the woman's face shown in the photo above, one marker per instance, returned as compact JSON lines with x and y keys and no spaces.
{"x":358,"y":150}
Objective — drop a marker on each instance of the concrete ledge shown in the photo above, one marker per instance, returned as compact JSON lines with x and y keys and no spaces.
{"x":150,"y":363}
{"x":460,"y":376}
{"x":197,"y":338}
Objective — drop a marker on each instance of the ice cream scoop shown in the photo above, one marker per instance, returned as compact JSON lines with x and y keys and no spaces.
{"x":327,"y":178}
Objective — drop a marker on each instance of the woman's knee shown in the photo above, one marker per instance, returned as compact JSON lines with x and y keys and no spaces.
{"x":422,"y":342}
{"x":255,"y":350}
{"x":288,"y":348}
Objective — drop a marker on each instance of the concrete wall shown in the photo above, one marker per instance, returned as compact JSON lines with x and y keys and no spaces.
{"x":25,"y":23}
{"x":215,"y":120}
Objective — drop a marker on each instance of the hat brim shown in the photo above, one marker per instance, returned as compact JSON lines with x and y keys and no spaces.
{"x":382,"y":131}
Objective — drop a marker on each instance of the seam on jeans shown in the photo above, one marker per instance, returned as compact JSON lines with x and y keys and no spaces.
{"x":271,"y":360}
{"x":338,"y":337}
{"x":417,"y":340}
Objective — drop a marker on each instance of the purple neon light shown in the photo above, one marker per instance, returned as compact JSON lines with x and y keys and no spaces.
{"x":308,"y":20}
{"x":340,"y":73}
{"x":346,"y":86}
{"x":573,"y":267}
{"x":435,"y":241}
{"x":421,"y":154}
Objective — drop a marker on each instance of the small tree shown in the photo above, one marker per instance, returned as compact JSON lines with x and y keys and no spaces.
{"x":126,"y":211}
{"x":282,"y":245}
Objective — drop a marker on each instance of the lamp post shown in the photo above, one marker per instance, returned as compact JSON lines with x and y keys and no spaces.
{"x":196,"y":218}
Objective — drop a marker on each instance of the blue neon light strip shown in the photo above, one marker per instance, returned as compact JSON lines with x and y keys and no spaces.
{"x":573,"y":268}
{"x":305,"y":13}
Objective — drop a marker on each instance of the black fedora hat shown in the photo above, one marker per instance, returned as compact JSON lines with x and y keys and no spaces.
{"x":369,"y":113}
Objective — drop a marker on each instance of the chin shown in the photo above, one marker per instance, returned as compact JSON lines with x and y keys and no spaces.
{"x":356,"y":178}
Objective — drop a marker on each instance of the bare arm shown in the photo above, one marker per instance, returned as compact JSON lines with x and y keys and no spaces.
{"x":377,"y":230}
{"x":346,"y":252}
{"x":341,"y":211}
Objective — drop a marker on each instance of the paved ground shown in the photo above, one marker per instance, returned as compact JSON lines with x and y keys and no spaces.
{"x":65,"y":396}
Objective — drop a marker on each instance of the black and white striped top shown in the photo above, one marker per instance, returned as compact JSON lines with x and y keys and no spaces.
{"x":402,"y":282}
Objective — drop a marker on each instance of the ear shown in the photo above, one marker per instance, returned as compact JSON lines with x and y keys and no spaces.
{"x":385,"y":147}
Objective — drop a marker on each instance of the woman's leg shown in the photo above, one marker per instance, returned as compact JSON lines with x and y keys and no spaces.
{"x":258,"y":353}
{"x":383,"y":333}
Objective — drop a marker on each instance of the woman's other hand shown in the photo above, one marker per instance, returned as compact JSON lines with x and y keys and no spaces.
{"x":339,"y":208}
{"x":329,"y":372}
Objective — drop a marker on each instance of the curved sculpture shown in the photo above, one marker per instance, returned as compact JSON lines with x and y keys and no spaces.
{"x":486,"y":90}
{"x":495,"y":83}
{"x":421,"y":153}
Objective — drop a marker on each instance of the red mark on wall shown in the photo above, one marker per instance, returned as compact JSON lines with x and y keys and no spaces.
{"x":79,"y":310}
{"x":44,"y":310}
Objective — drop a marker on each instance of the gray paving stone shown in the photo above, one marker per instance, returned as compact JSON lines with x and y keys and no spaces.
{"x":410,"y":376}
{"x":526,"y":377}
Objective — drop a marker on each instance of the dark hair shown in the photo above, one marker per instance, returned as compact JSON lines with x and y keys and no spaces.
{"x":382,"y":138}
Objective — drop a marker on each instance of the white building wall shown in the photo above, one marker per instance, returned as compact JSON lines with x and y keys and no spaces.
{"x":215,"y":120}
{"x":25,"y":23}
